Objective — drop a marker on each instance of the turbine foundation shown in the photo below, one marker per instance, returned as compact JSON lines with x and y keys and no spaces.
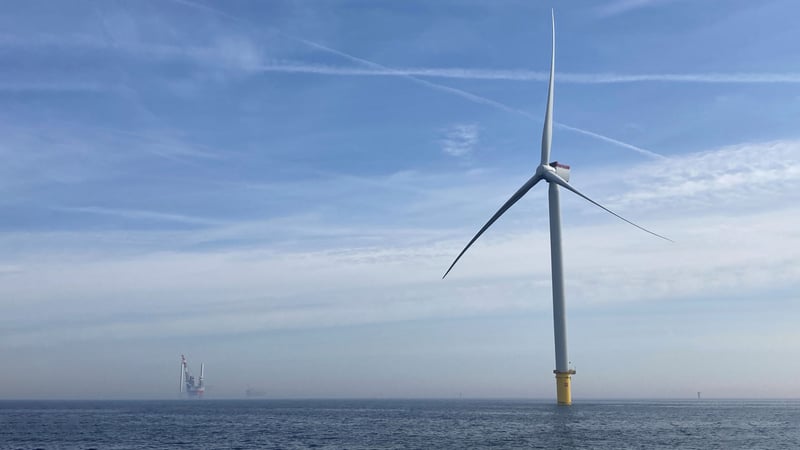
{"x":564,"y":386}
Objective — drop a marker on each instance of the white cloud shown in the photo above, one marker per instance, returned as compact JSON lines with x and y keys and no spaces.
{"x":722,"y":250}
{"x":739,"y":176}
{"x":459,"y":139}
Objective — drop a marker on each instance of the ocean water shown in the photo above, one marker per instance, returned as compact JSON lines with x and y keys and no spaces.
{"x":411,"y":424}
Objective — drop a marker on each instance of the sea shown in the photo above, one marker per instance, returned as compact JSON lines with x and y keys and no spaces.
{"x":399,"y":424}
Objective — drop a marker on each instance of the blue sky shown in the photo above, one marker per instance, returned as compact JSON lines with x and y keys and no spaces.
{"x":275,"y":188}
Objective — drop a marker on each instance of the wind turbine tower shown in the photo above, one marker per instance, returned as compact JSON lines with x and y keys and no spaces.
{"x":555,"y":174}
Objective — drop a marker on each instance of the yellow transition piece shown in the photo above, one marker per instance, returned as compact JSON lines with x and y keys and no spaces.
{"x":564,"y":387}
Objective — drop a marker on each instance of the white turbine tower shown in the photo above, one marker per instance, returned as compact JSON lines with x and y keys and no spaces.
{"x":556,"y":175}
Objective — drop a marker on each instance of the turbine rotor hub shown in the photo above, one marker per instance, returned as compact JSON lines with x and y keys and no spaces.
{"x":556,"y":168}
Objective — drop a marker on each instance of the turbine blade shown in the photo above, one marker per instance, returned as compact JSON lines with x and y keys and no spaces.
{"x":553,"y":178}
{"x":547,"y":133}
{"x":514,"y":198}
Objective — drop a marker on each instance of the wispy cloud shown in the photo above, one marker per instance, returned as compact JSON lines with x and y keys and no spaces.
{"x":459,"y":139}
{"x":240,"y":53}
{"x":27,"y":87}
{"x":380,"y":67}
{"x":464,"y":94}
{"x":67,"y":152}
{"x":618,"y":7}
{"x":136,"y":214}
{"x":160,"y":281}
{"x":154,"y":288}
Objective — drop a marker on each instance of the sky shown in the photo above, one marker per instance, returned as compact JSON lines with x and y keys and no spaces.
{"x":276,"y":189}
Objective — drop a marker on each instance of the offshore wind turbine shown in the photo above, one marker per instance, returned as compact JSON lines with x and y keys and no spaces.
{"x":555,"y":174}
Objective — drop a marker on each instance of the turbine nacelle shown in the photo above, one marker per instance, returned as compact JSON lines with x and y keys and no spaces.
{"x":561,"y":170}
{"x":555,"y":167}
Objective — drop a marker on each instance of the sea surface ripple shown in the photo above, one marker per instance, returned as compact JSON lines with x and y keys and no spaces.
{"x":398,"y":424}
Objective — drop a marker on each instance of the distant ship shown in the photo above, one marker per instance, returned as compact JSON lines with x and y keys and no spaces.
{"x":193,"y":388}
{"x":254,"y":393}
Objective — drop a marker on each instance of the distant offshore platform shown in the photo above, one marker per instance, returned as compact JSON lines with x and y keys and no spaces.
{"x":194,"y":388}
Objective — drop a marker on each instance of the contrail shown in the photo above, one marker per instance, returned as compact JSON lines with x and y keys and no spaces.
{"x":459,"y":92}
{"x":742,"y":78}
{"x":530,"y":75}
{"x":474,"y":97}
{"x":612,"y":141}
